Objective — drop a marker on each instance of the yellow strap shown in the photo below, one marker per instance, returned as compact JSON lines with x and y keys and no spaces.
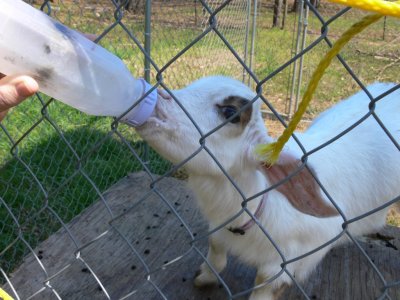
{"x":4,"y":295}
{"x":378,"y":6}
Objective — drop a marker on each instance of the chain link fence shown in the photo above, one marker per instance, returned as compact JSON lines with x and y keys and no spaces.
{"x":57,"y":161}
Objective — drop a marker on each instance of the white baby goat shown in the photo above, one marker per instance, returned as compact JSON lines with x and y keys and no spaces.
{"x":360,"y":171}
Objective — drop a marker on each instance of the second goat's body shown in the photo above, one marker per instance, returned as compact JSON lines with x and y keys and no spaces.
{"x":359,"y":171}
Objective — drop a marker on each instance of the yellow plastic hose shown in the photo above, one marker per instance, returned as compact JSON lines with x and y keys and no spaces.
{"x":4,"y":295}
{"x":381,"y":7}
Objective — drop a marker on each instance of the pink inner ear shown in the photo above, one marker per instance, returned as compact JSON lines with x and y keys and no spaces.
{"x":301,"y":190}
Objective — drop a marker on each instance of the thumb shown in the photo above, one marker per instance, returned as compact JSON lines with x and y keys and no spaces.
{"x":14,"y":89}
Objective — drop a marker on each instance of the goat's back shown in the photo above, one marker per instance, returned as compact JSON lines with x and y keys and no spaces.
{"x":360,"y":169}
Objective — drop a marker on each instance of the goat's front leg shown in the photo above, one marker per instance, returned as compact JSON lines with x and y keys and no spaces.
{"x":217,"y":257}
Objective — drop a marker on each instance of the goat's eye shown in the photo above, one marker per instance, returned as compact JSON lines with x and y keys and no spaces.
{"x":229,"y":111}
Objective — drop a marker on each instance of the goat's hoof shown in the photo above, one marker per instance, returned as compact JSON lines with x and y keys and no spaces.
{"x":205,"y":279}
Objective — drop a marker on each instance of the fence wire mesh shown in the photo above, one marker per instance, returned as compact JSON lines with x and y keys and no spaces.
{"x":57,"y":161}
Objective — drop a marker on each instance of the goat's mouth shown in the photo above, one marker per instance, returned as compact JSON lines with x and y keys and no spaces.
{"x":158,"y":120}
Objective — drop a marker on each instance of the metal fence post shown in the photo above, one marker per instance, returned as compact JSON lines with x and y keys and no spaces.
{"x":253,"y":36}
{"x":246,"y":39}
{"x":303,"y":45}
{"x":291,"y":109}
{"x":147,"y":47}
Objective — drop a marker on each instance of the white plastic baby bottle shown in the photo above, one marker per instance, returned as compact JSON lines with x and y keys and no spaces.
{"x":69,"y":67}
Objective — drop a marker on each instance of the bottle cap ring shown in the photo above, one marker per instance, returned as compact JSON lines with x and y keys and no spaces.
{"x":139,"y":114}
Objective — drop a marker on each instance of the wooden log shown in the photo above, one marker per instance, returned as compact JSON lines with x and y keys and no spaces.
{"x":143,"y":251}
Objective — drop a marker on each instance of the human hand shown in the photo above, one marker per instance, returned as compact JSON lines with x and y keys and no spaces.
{"x":13,"y":90}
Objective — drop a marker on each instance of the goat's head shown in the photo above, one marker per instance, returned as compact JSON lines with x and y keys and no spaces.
{"x":216,"y":122}
{"x":192,"y":125}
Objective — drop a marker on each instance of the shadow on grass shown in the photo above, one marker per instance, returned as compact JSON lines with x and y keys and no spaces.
{"x":48,"y":180}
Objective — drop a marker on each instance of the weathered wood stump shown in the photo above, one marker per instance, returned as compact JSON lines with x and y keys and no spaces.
{"x":132,"y":252}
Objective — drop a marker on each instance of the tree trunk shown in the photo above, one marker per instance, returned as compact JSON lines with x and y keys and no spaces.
{"x":295,"y":6}
{"x":285,"y":10}
{"x":135,"y":6}
{"x":315,"y":3}
{"x":277,"y":13}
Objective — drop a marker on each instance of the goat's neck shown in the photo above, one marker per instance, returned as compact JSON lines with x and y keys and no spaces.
{"x":219,"y":199}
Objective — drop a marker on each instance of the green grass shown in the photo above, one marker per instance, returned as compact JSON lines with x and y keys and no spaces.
{"x":103,"y":157}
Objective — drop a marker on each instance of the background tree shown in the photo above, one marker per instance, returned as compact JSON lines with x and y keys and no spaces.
{"x":277,"y":13}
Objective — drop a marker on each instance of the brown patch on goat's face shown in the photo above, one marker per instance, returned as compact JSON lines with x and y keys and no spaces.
{"x":238,"y":103}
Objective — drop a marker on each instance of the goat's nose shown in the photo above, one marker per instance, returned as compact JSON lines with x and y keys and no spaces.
{"x":163,"y":94}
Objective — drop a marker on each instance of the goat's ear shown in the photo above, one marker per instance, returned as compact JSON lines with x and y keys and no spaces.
{"x":301,"y":190}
